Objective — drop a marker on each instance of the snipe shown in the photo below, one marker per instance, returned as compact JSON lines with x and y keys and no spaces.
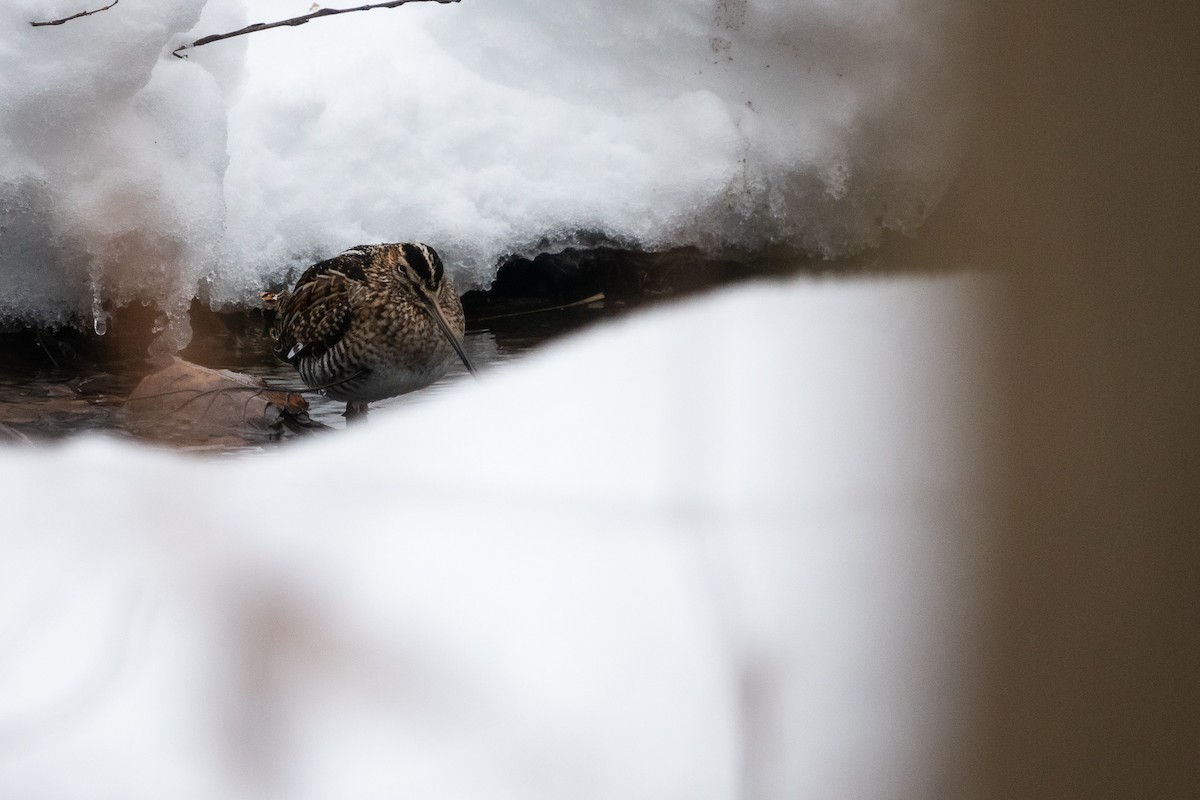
{"x":374,"y":322}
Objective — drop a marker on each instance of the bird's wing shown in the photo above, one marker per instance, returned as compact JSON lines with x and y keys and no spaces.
{"x":351,"y":264}
{"x":316,"y":315}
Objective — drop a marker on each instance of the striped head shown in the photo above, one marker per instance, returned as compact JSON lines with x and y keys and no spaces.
{"x":420,"y":264}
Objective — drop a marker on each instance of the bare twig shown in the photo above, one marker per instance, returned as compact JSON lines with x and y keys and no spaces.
{"x":294,"y":21}
{"x":74,"y":16}
{"x":587,"y":301}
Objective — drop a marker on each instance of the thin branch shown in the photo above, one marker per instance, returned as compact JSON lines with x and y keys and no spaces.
{"x":596,"y":298}
{"x":294,"y":21}
{"x":74,"y":16}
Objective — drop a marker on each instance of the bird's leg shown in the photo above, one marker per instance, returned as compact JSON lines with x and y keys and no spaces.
{"x":355,"y":412}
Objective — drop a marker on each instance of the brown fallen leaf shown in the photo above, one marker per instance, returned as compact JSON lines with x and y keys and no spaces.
{"x":197,"y":397}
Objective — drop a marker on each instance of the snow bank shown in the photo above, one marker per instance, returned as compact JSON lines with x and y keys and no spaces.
{"x":485,"y":128}
{"x":657,"y":560}
{"x":111,"y":176}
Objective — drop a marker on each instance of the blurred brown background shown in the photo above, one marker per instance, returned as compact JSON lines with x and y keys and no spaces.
{"x":1082,"y":180}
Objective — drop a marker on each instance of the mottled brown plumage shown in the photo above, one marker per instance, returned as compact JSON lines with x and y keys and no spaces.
{"x":373,"y":322}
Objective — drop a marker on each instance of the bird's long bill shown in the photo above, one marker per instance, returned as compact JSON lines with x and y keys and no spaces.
{"x":440,"y":318}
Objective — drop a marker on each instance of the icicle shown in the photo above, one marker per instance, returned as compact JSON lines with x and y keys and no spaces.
{"x":99,"y":316}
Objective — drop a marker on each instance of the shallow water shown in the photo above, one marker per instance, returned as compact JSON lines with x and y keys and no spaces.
{"x":50,"y":401}
{"x":59,"y":384}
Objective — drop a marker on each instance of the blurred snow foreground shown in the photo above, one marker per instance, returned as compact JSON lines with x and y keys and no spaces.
{"x":486,"y":127}
{"x":719,"y":550}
